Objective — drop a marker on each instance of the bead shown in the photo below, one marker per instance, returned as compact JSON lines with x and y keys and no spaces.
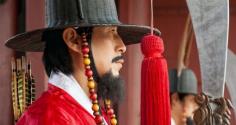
{"x":92,"y":91}
{"x":83,"y":36}
{"x":85,"y":44}
{"x":113,"y":121}
{"x":93,"y":96}
{"x":96,"y":113}
{"x":102,"y":123}
{"x":88,"y":72}
{"x":95,"y":101}
{"x":113,"y":116}
{"x":95,"y":107}
{"x":90,"y":78}
{"x":84,"y":39}
{"x":86,"y":61}
{"x":91,"y":84}
{"x":98,"y":119}
{"x":108,"y":102}
{"x":87,"y":67}
{"x":85,"y":50}
{"x":110,"y":112}
{"x":86,"y":56}
{"x":108,"y":106}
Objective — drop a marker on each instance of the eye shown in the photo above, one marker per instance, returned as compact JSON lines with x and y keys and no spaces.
{"x":114,"y":29}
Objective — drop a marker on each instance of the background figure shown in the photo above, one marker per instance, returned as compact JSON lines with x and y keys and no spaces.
{"x":187,"y":89}
{"x":177,"y":116}
{"x":183,"y":90}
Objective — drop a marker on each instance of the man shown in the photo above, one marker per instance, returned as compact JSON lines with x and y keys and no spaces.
{"x":187,"y":89}
{"x":177,"y":117}
{"x":82,"y":56}
{"x":183,"y":91}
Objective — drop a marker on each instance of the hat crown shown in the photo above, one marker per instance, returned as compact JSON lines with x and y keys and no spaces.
{"x":173,"y":80}
{"x":60,"y":13}
{"x":187,"y":82}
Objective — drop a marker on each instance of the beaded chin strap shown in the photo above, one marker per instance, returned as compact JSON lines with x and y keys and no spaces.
{"x":91,"y":85}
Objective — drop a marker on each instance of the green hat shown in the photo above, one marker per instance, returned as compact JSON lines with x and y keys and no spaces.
{"x":187,"y":82}
{"x":173,"y":80}
{"x":78,"y":13}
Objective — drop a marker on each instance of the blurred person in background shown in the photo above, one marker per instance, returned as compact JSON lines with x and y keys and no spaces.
{"x":182,"y":94}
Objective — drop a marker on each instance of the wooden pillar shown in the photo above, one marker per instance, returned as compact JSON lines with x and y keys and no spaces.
{"x":35,"y":19}
{"x":8,"y":29}
{"x":132,"y":12}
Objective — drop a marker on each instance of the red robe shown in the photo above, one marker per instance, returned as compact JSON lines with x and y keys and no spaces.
{"x":56,"y":107}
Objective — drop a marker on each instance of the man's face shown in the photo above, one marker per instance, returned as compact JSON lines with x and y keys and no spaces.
{"x":107,"y":47}
{"x":189,"y":105}
{"x":177,"y":110}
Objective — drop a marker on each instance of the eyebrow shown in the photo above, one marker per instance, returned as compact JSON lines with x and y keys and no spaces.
{"x":111,"y":27}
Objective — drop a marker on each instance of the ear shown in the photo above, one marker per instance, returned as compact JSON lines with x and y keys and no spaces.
{"x":174,"y":98}
{"x":72,"y":39}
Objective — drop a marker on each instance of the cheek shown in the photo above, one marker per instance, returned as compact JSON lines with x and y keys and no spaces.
{"x":179,"y":107}
{"x":189,"y":108}
{"x":102,"y":64}
{"x":102,"y":59}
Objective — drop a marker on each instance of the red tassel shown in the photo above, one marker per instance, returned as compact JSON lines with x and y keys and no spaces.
{"x":155,"y":103}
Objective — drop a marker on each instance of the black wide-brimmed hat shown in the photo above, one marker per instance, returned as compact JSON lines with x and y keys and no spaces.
{"x":78,"y":13}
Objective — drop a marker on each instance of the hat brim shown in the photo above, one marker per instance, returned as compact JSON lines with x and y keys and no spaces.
{"x":32,"y":41}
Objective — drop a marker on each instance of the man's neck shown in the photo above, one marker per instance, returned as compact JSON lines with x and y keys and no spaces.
{"x":82,"y":80}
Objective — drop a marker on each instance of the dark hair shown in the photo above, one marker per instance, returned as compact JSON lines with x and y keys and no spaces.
{"x":56,"y":56}
{"x":183,"y":95}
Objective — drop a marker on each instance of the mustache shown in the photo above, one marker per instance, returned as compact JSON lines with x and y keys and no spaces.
{"x":117,"y":58}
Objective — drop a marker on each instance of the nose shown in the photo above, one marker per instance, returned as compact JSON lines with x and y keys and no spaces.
{"x":120,"y":46}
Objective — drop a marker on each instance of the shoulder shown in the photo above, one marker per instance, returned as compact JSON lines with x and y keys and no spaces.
{"x":55,"y":107}
{"x":51,"y":108}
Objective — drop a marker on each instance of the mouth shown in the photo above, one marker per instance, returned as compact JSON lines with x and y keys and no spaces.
{"x":121,"y":61}
{"x":118,"y":59}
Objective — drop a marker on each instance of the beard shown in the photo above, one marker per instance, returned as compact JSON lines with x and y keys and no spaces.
{"x":111,"y":87}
